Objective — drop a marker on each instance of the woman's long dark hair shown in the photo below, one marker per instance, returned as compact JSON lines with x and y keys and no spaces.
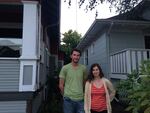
{"x":91,"y":76}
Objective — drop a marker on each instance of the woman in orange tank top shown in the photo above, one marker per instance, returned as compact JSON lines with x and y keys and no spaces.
{"x":99,"y":92}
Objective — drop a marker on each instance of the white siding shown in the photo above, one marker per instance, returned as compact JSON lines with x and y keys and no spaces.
{"x":99,"y":54}
{"x":9,"y":75}
{"x":13,"y":107}
{"x":127,"y":39}
{"x":82,"y":59}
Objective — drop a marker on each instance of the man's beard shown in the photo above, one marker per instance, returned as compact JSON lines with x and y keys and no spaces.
{"x":74,"y":61}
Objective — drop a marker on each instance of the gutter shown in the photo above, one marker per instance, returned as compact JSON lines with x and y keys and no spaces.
{"x":86,"y":34}
{"x":109,"y":30}
{"x":108,"y":48}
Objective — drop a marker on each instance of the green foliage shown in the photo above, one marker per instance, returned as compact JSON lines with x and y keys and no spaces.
{"x":145,"y":67}
{"x":54,"y":102}
{"x":137,"y":88}
{"x":70,"y":40}
{"x":54,"y":98}
{"x":54,"y":105}
{"x":124,"y":87}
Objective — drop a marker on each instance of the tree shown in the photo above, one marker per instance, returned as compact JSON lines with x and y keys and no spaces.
{"x":69,"y":41}
{"x":121,"y":6}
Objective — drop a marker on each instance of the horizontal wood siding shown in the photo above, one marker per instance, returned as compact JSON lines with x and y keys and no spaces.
{"x":13,"y":107}
{"x":120,"y":40}
{"x":82,"y":59}
{"x":99,"y":54}
{"x":9,"y":75}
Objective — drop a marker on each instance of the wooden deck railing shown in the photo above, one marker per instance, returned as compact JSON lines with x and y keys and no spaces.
{"x":125,"y":61}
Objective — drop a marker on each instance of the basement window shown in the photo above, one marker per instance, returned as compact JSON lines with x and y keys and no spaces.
{"x":11,"y":26}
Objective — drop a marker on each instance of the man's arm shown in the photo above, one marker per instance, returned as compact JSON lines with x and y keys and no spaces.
{"x":84,"y":78}
{"x":61,"y":85}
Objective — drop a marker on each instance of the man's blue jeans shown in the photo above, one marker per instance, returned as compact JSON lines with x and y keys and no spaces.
{"x":71,"y":106}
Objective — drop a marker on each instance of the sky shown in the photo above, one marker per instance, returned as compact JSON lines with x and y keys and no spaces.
{"x":78,"y":19}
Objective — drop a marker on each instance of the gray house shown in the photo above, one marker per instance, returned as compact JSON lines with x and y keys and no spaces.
{"x":119,"y":43}
{"x":29,"y":32}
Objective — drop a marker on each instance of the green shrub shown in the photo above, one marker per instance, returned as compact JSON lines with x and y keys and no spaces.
{"x":137,"y":89}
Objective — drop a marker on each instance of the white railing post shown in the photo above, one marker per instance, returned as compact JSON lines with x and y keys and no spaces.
{"x":128,"y":61}
{"x":145,"y":55}
{"x":29,"y":57}
{"x":124,"y":64}
{"x":139,"y":58}
{"x":111,"y":64}
{"x":133,"y":60}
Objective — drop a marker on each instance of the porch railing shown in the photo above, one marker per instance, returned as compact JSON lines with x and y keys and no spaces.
{"x":125,"y":61}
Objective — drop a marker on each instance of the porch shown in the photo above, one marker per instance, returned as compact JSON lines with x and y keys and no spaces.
{"x":9,"y":74}
{"x":125,"y":61}
{"x":17,"y":75}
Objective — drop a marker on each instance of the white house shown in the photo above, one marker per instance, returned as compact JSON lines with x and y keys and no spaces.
{"x":29,"y":32}
{"x":119,"y":43}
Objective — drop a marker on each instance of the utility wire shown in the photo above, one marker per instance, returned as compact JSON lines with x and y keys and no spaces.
{"x":76,"y":17}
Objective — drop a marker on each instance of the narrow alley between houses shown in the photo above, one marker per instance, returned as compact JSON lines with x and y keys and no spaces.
{"x":55,"y":100}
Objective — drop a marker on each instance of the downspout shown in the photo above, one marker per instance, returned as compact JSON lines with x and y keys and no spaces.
{"x":108,"y":48}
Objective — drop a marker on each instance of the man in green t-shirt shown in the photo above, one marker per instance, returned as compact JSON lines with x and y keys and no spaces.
{"x":71,"y":83}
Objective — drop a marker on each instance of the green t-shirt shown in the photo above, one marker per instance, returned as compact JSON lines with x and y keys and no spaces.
{"x":73,"y":79}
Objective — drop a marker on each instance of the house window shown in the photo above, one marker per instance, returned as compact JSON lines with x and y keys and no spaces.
{"x":10,"y":33}
{"x":10,"y":51}
{"x":86,"y":57}
{"x":92,"y":48}
{"x":147,"y":45}
{"x":11,"y":21}
{"x":147,"y":42}
{"x":11,"y":30}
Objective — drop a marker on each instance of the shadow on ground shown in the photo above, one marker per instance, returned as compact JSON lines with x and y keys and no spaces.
{"x":118,"y":107}
{"x":54,"y":98}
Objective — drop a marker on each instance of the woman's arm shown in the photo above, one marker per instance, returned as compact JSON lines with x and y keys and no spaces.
{"x":86,"y":97}
{"x":111,"y":89}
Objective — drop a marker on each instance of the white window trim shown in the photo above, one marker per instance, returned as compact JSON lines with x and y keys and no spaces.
{"x":27,"y":87}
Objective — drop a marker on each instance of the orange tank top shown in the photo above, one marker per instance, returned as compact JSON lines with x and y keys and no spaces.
{"x":98,"y":98}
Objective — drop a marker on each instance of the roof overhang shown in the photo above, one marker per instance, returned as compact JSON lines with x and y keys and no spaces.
{"x":51,"y":17}
{"x":100,"y":26}
{"x":15,"y":1}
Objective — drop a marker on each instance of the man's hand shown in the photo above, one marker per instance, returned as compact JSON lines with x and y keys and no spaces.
{"x":61,"y":85}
